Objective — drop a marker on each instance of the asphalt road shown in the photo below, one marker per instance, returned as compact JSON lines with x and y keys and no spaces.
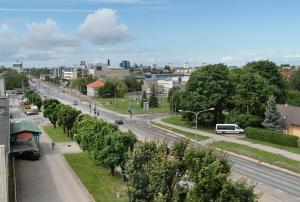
{"x":277,"y":185}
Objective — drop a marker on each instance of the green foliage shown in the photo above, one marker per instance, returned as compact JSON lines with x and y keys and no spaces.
{"x":34,"y":98}
{"x":47,"y":103}
{"x":13,"y":79}
{"x":295,"y":80}
{"x":207,"y":87}
{"x":153,"y":99}
{"x":144,"y":99}
{"x":174,"y":98}
{"x":121,"y":89}
{"x":271,"y":73}
{"x":66,"y":117}
{"x":293,"y":98}
{"x":243,"y":120}
{"x":36,"y":72}
{"x":271,"y":136}
{"x":251,"y":94}
{"x":108,"y":90}
{"x":272,"y":116}
{"x":133,"y":84}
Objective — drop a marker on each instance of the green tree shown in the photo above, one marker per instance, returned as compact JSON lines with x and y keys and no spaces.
{"x":208,"y":87}
{"x":121,"y":89}
{"x":108,"y":90}
{"x":153,"y":99}
{"x":295,"y":80}
{"x":80,"y":83}
{"x":66,"y":117}
{"x":133,"y":84}
{"x":144,"y":99}
{"x":272,"y":116}
{"x":271,"y":73}
{"x":174,"y":99}
{"x":46,"y":105}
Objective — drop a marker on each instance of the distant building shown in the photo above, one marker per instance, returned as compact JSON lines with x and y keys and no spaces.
{"x":92,"y":88}
{"x":290,"y":119}
{"x":111,"y":73}
{"x":18,"y":66}
{"x":125,"y":64}
{"x":69,"y":74}
{"x":286,"y":72}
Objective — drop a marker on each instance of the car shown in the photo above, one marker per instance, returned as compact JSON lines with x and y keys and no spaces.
{"x":228,"y":128}
{"x":31,"y":112}
{"x":28,"y":155}
{"x":119,"y":122}
{"x":75,"y":102}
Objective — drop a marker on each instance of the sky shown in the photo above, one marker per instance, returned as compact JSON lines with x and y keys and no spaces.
{"x":64,"y":32}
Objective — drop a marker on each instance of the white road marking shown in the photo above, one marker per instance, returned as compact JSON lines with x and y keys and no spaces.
{"x":271,"y":197}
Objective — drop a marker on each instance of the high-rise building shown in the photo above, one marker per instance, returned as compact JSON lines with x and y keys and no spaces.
{"x":108,"y":62}
{"x":125,"y":64}
{"x":18,"y":65}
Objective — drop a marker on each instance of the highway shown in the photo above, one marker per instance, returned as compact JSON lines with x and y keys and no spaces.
{"x":277,"y":185}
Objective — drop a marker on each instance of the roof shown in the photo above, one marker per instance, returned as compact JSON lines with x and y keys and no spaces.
{"x":19,"y":127}
{"x":96,"y":84}
{"x":290,"y":115}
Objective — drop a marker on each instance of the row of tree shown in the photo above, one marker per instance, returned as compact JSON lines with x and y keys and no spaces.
{"x":236,"y":94}
{"x":13,"y":79}
{"x":34,"y":98}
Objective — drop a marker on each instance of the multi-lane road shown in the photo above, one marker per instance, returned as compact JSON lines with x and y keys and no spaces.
{"x":276,"y":185}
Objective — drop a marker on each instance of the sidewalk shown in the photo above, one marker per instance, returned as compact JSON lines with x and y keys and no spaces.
{"x":218,"y":138}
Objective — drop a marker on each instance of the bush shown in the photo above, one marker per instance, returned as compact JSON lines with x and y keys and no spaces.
{"x":271,"y":136}
{"x":243,"y":120}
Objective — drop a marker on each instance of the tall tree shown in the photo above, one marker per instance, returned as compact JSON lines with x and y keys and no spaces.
{"x":153,"y":99}
{"x":272,"y":116}
{"x":144,"y":99}
{"x":67,"y":116}
{"x":271,"y":72}
{"x":208,"y":87}
{"x":295,"y":80}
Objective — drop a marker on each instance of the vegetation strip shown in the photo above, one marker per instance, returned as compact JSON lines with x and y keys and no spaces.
{"x":187,"y":134}
{"x":98,"y":181}
{"x":57,"y":134}
{"x":274,"y":159}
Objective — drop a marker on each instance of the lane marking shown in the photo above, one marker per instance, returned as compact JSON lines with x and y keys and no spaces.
{"x":271,"y":197}
{"x":278,"y":190}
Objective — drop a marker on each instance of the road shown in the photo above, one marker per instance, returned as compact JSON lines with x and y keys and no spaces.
{"x":276,"y":185}
{"x":49,"y":179}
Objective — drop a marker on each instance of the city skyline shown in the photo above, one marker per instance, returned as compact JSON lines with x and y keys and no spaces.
{"x":64,"y":32}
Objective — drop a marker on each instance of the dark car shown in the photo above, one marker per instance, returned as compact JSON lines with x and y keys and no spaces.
{"x":119,"y":122}
{"x":28,"y":155}
{"x":75,"y":102}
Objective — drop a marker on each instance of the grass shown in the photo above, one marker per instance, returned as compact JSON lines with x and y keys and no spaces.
{"x":293,"y":98}
{"x":268,"y":157}
{"x":178,"y":121}
{"x":287,"y":148}
{"x":123,"y":104}
{"x":97,"y":180}
{"x":187,"y":134}
{"x":57,"y":134}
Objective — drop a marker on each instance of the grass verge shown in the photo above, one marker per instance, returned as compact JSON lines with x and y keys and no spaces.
{"x":121,"y":105}
{"x":260,"y":155}
{"x":178,"y":121}
{"x":97,"y":180}
{"x":290,"y":149}
{"x":57,"y":134}
{"x":187,"y":134}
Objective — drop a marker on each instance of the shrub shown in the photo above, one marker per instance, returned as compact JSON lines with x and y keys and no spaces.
{"x":243,"y":120}
{"x":271,"y":136}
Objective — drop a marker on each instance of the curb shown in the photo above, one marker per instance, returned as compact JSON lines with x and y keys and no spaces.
{"x":286,"y":171}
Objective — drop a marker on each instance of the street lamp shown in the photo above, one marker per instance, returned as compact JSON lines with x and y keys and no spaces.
{"x":196,"y":114}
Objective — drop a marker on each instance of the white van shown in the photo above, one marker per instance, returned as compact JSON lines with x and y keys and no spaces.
{"x":228,"y":128}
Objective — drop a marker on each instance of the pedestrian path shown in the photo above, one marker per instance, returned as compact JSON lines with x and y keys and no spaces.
{"x":217,"y":138}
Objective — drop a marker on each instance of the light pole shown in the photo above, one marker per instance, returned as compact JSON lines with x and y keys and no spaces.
{"x":196,"y":114}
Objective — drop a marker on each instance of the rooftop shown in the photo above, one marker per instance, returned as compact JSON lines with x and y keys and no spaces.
{"x":18,"y":127}
{"x":96,"y":84}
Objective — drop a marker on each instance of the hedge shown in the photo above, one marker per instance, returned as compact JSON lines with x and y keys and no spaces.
{"x":271,"y":136}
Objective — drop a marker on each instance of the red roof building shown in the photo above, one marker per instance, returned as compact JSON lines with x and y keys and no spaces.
{"x":92,"y":88}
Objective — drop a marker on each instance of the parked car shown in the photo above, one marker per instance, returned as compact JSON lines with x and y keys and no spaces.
{"x":75,"y":102}
{"x":119,"y":122}
{"x":228,"y":128}
{"x":31,"y":112}
{"x":28,"y":155}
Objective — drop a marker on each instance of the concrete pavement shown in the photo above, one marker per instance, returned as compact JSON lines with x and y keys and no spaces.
{"x":217,"y":138}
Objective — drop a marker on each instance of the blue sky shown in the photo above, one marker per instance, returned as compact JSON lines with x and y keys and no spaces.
{"x":63,"y":32}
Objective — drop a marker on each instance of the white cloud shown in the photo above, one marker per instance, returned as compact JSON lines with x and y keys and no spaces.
{"x":4,"y":32}
{"x":101,"y":27}
{"x":46,"y":36}
{"x":292,"y":56}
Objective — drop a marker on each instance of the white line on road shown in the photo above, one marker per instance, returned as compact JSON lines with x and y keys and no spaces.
{"x":274,"y":199}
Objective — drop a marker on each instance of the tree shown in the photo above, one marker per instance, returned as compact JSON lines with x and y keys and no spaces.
{"x":144,"y":99}
{"x":121,"y":89}
{"x":153,"y":99}
{"x":80,"y":83}
{"x":53,"y":115}
{"x":295,"y":80}
{"x":272,"y":116}
{"x":271,"y":73}
{"x":208,"y":87}
{"x":66,"y":117}
{"x":133,"y":84}
{"x":46,"y":105}
{"x":174,"y":99}
{"x":108,"y":90}
{"x":251,"y":93}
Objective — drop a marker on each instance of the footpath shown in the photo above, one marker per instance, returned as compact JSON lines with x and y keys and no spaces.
{"x":217,"y":138}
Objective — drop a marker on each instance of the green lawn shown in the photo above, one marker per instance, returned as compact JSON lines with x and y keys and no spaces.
{"x":97,"y":180}
{"x":178,"y":121}
{"x":260,"y":155}
{"x":293,"y":98}
{"x":122,"y":105}
{"x":290,"y":149}
{"x":57,"y":134}
{"x":187,"y":134}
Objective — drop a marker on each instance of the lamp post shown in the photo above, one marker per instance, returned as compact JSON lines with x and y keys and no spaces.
{"x":196,"y":114}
